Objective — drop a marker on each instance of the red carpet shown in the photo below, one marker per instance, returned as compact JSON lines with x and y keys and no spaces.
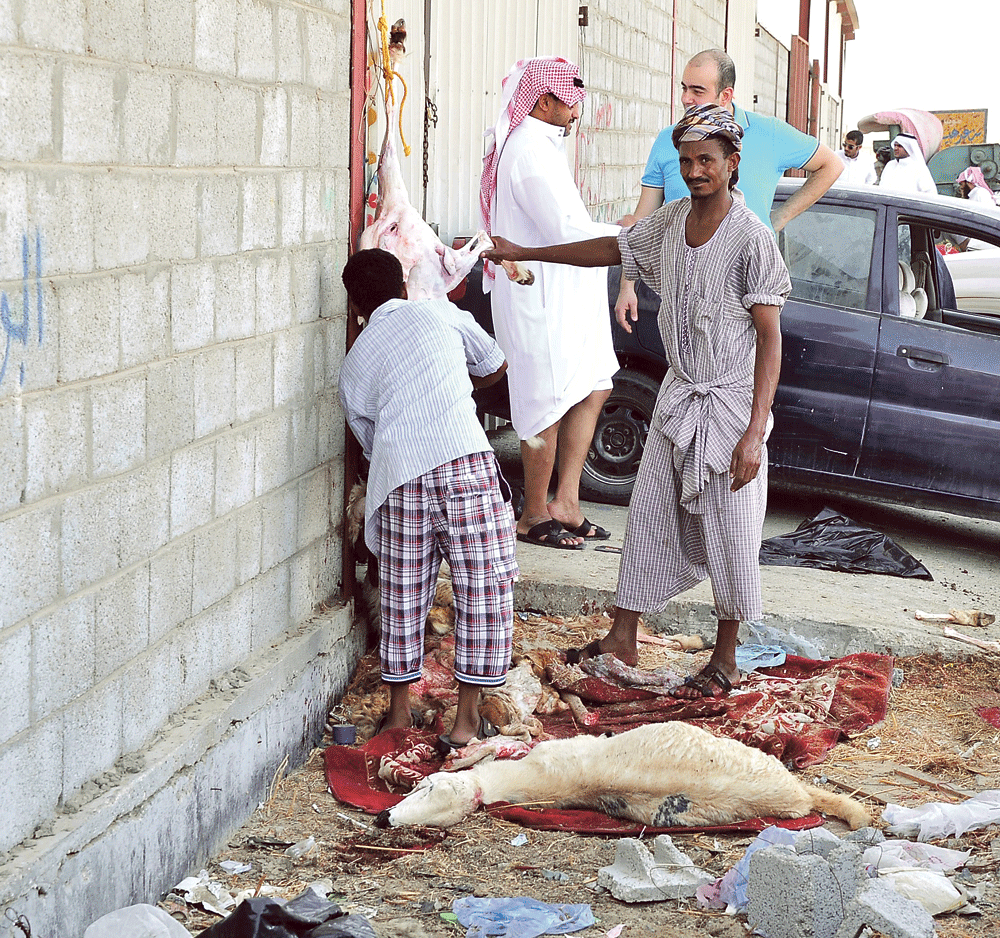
{"x":796,"y":712}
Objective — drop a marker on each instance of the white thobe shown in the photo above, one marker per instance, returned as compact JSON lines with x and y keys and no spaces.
{"x":556,"y":333}
{"x":857,"y":171}
{"x":980,"y":195}
{"x":907,"y":175}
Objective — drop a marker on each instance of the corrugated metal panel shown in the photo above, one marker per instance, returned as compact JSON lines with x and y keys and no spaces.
{"x":472,"y":45}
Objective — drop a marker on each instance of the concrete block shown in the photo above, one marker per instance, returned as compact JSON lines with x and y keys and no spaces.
{"x":305,"y":439}
{"x":306,"y":273}
{"x":314,"y":507}
{"x":318,"y":223}
{"x":197,"y":103}
{"x":169,"y":406}
{"x":279,"y":514}
{"x":90,"y":130}
{"x":236,"y":125}
{"x":215,"y":37}
{"x":26,"y":131}
{"x":260,"y":212}
{"x":234,"y":468}
{"x":56,"y":25}
{"x":30,"y":781}
{"x":273,"y":276}
{"x":62,"y":656}
{"x":292,"y":364}
{"x":116,"y":31}
{"x":792,"y":896}
{"x":323,"y":56}
{"x":147,"y":686}
{"x":173,"y":217}
{"x":92,"y":737}
{"x":15,"y":666}
{"x":192,"y":306}
{"x":865,"y":837}
{"x":272,"y":463}
{"x":337,"y":194}
{"x":235,"y":299}
{"x":214,"y":575}
{"x":303,"y":127}
{"x":170,"y":37}
{"x":87,"y":321}
{"x":303,"y":585}
{"x":56,"y":435}
{"x":218,"y":216}
{"x":640,"y":876}
{"x":121,"y":224}
{"x":318,"y":343}
{"x":255,"y":41}
{"x":332,"y":296}
{"x":249,"y":542}
{"x":334,"y":115}
{"x":270,"y":606}
{"x":254,"y":379}
{"x":118,"y":421}
{"x":13,"y":476}
{"x":291,"y":186}
{"x":274,"y":127}
{"x":193,"y":648}
{"x":214,"y":389}
{"x":142,"y":512}
{"x":887,"y":912}
{"x":329,"y":570}
{"x":31,"y":354}
{"x":171,"y":578}
{"x":122,"y":621}
{"x":62,"y":213}
{"x":817,"y":840}
{"x":331,"y":430}
{"x":192,"y":485}
{"x":145,"y":316}
{"x":231,"y":624}
{"x":290,"y":59}
{"x":14,"y":226}
{"x":89,"y":545}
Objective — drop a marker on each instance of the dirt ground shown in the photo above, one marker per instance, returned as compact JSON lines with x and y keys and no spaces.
{"x":933,"y":746}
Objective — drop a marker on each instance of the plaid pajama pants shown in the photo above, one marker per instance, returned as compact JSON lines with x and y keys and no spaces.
{"x":456,"y":512}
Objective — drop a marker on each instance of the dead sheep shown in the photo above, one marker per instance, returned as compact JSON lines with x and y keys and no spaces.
{"x":660,"y":774}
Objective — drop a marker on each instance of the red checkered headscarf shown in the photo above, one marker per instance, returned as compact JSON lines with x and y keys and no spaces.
{"x":523,"y":85}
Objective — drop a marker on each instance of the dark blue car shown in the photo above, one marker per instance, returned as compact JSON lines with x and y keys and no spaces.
{"x":890,"y":375}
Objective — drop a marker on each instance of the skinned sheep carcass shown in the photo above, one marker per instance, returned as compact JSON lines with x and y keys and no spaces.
{"x":660,"y":774}
{"x":431,"y":270}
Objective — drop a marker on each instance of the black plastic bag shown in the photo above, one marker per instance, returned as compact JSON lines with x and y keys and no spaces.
{"x":832,"y":541}
{"x":308,"y":915}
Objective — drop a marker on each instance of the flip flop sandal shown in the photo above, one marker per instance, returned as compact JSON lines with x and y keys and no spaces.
{"x":444,"y":744}
{"x":549,"y":534}
{"x":584,"y":529}
{"x":705,"y":678}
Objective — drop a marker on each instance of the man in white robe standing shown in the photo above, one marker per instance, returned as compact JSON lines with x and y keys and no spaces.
{"x":857,"y":171}
{"x":907,"y":172}
{"x":555,"y":333}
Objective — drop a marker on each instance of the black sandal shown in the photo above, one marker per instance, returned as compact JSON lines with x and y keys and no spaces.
{"x":445,"y":746}
{"x":703,"y":681}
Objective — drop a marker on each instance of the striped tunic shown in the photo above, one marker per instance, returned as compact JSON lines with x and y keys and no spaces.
{"x":684,"y":523}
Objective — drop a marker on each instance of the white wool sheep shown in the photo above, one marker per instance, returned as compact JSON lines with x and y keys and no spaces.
{"x":660,"y":774}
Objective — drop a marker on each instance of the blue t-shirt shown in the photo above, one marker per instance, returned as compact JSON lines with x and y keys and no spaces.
{"x":770,"y":146}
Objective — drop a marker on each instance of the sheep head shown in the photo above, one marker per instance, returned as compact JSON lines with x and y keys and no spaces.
{"x":440,"y":800}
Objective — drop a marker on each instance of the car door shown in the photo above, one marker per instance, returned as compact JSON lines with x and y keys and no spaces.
{"x":829,"y":329}
{"x":934,"y":421}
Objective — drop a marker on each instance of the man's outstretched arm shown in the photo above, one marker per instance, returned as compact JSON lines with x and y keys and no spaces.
{"x":598,"y":252}
{"x":823,"y":169}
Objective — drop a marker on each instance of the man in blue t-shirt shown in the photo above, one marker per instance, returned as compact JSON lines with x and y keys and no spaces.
{"x":770,"y":146}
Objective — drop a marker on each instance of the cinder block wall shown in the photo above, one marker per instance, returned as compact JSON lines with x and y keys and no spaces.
{"x":173,"y":219}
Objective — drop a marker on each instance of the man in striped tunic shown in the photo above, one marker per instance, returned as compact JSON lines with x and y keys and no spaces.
{"x":434,"y":489}
{"x":697,"y":510}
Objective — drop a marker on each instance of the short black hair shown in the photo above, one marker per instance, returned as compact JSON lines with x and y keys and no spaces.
{"x":728,"y":149}
{"x":856,"y":136}
{"x":373,"y":277}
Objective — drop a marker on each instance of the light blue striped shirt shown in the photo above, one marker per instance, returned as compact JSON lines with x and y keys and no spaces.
{"x":405,"y":390}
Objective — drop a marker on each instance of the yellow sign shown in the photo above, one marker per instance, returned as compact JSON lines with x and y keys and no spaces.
{"x":962,"y":127}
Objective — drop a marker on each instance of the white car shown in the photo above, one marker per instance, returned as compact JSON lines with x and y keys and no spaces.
{"x":975,"y":274}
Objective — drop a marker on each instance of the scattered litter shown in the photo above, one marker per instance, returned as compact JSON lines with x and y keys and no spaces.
{"x":752,"y":657}
{"x":874,"y":743}
{"x":929,"y":888}
{"x":615,"y":932}
{"x":350,"y":820}
{"x":200,"y":890}
{"x":979,"y":643}
{"x":520,"y":840}
{"x":971,"y":617}
{"x":234,"y":867}
{"x":136,"y":921}
{"x":302,"y":849}
{"x":893,"y":854}
{"x":762,"y":634}
{"x":730,"y":892}
{"x":521,"y":916}
{"x":937,"y":819}
{"x":555,"y":876}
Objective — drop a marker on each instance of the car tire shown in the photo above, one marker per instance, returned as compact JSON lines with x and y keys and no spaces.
{"x":619,"y":439}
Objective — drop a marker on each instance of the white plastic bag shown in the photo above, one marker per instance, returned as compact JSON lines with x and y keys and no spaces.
{"x":897,"y":854}
{"x":932,"y":890}
{"x":137,"y":921}
{"x":930,"y":821}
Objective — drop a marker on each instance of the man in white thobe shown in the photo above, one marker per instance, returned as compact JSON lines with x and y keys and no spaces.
{"x":857,"y":171}
{"x":555,"y":333}
{"x":907,"y":172}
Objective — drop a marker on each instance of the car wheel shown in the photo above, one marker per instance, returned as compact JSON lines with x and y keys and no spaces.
{"x":619,"y":439}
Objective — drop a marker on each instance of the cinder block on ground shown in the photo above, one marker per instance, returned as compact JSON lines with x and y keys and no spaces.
{"x":792,"y":895}
{"x":640,"y":876}
{"x":884,"y":910}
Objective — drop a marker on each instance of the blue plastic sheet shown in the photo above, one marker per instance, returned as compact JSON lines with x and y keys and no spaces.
{"x":520,"y":917}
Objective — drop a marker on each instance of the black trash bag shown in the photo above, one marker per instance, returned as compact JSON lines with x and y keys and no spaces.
{"x":832,"y":541}
{"x":308,"y":915}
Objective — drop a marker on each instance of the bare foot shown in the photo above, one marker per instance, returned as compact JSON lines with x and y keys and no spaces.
{"x":711,"y":681}
{"x":604,"y":646}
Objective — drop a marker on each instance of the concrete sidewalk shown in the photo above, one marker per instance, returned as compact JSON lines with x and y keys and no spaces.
{"x":840,"y":613}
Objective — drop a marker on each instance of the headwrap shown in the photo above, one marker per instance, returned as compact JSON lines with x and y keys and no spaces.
{"x":909,"y":143}
{"x":974,"y":175}
{"x":524,"y":84}
{"x":707,"y":120}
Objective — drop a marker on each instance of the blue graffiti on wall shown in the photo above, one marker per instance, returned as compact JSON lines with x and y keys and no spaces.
{"x":19,"y":330}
